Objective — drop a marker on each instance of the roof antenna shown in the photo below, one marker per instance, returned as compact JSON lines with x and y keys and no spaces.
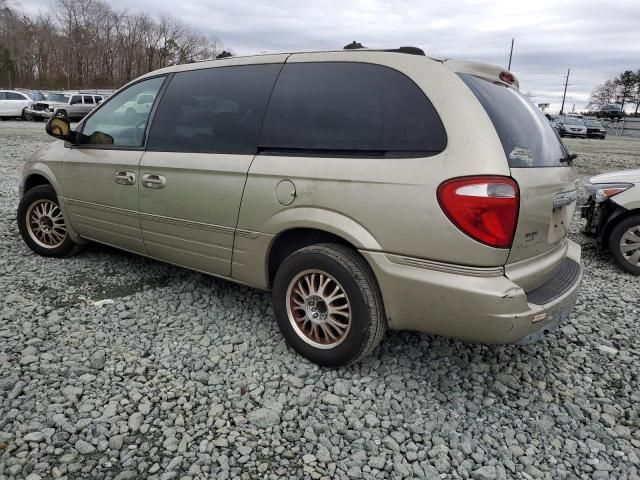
{"x":353,"y":46}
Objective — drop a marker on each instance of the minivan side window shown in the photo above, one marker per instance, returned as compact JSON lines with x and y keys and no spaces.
{"x":121,"y":121}
{"x":351,"y":108}
{"x":213,"y":110}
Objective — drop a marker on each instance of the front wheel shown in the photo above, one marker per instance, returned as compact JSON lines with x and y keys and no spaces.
{"x":624,"y":244}
{"x":328,"y":304}
{"x":26,"y":115}
{"x":42,"y":224}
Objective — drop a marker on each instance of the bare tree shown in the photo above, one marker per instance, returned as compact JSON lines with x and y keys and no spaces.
{"x":88,"y":44}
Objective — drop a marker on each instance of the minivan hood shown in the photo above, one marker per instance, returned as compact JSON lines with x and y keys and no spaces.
{"x":624,"y":176}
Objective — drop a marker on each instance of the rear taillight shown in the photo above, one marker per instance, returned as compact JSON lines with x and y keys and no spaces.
{"x":483,"y":207}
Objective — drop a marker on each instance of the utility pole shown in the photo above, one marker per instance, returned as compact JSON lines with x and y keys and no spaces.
{"x":564,"y":95}
{"x":510,"y":54}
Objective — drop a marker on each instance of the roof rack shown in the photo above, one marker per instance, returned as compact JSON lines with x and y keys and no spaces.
{"x":408,"y":50}
{"x":353,"y":46}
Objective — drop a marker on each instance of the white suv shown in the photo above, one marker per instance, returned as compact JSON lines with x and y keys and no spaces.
{"x":13,"y":104}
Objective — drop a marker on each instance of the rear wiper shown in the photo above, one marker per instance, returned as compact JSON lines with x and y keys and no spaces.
{"x":569,"y":158}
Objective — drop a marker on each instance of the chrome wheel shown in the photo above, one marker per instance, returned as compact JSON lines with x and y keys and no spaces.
{"x":630,"y":245}
{"x":45,"y":224}
{"x":318,"y":309}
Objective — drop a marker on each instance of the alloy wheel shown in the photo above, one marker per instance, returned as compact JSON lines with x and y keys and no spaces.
{"x":630,"y":245}
{"x":45,"y":223}
{"x":318,"y":309}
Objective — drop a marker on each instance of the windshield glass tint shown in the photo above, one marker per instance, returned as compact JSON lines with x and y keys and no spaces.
{"x":527,"y":137}
{"x":57,"y":97}
{"x":594,"y":124}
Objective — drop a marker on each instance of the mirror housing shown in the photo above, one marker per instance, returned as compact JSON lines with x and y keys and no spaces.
{"x":60,"y":128}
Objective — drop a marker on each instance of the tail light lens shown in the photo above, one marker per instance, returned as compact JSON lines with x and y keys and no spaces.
{"x":483,"y":207}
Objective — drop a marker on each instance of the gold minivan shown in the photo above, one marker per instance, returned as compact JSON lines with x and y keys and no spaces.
{"x":366,"y":189}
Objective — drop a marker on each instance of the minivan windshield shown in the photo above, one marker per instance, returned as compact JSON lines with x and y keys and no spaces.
{"x":528,"y":139}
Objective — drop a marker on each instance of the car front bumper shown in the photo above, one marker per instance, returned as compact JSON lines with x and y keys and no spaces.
{"x":38,"y":113}
{"x":472,"y":304}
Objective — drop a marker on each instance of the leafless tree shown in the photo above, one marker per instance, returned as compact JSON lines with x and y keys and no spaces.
{"x":89,"y":44}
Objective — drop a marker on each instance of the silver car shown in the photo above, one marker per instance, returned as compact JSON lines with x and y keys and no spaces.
{"x":613,"y":216}
{"x":365,"y":189}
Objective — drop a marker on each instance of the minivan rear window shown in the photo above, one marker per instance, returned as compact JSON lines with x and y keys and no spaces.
{"x":527,"y":137}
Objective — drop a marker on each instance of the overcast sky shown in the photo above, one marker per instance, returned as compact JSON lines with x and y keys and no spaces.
{"x":597,"y":39}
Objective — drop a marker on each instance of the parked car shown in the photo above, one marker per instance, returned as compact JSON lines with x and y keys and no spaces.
{"x":141,"y":105}
{"x":571,"y":127}
{"x":70,"y":106}
{"x":14,"y":103}
{"x":613,"y":216}
{"x":365,"y":189}
{"x":610,"y":111}
{"x":595,"y":129}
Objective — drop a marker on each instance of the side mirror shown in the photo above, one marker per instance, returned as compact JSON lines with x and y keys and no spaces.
{"x":60,"y":128}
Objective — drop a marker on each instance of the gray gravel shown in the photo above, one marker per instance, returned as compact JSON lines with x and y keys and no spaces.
{"x":181,"y":376}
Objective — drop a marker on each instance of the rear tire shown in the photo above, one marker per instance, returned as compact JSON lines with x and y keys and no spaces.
{"x":42,"y":224}
{"x":328,"y":305}
{"x":623,"y":237}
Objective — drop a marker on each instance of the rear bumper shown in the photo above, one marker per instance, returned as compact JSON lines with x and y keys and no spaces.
{"x":473,"y":304}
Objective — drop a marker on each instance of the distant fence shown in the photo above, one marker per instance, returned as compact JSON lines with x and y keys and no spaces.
{"x":625,"y":126}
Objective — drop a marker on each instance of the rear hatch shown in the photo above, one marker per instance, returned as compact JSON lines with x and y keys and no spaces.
{"x":538,"y":162}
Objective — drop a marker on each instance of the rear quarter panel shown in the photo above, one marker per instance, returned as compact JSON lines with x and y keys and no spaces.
{"x":381,"y":204}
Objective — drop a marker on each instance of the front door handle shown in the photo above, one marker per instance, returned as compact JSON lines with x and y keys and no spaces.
{"x":151,"y":180}
{"x":125,"y":178}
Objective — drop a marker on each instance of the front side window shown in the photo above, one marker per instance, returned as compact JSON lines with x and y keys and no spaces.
{"x":121,"y":121}
{"x":354,"y":108}
{"x":3,"y":96}
{"x":75,"y":100}
{"x":214,"y":110}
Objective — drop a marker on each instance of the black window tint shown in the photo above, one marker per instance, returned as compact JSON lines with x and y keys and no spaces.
{"x":350,"y":107}
{"x":87,"y":99}
{"x":15,"y":96}
{"x":215,"y":110}
{"x":527,"y":137}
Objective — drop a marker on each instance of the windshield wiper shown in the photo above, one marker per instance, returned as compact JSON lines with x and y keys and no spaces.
{"x":569,"y":158}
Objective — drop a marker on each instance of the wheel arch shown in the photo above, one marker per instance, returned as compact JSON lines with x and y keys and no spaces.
{"x":34,"y":180}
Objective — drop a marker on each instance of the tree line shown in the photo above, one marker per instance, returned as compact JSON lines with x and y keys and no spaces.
{"x":623,"y":90}
{"x":88,"y":44}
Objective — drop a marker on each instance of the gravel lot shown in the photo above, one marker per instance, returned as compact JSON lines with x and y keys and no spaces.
{"x":178,"y":375}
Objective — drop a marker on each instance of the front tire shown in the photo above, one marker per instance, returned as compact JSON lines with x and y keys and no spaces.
{"x":624,"y":244}
{"x":328,"y":305}
{"x":42,"y":224}
{"x":26,"y":116}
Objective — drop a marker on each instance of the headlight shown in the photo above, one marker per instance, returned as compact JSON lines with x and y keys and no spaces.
{"x":604,"y":191}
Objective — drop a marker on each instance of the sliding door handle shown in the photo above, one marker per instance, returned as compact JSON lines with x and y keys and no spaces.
{"x":125,"y":178}
{"x":151,"y":180}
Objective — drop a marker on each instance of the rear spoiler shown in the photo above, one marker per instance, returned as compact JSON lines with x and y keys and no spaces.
{"x":484,"y":70}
